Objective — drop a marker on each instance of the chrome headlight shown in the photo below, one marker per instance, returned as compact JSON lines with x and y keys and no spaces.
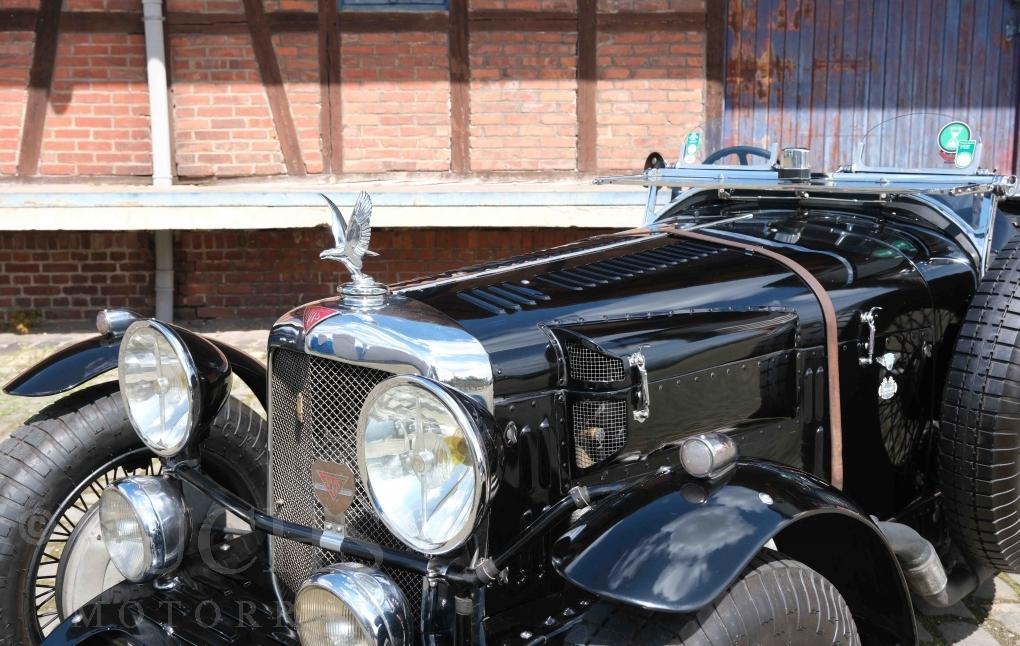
{"x":168,"y":391}
{"x":425,"y":463}
{"x":144,"y":523}
{"x":351,"y":605}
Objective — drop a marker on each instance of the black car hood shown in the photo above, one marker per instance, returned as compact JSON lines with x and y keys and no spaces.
{"x":648,"y":289}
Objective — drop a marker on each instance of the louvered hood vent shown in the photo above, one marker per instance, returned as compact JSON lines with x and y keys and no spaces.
{"x":504,"y":298}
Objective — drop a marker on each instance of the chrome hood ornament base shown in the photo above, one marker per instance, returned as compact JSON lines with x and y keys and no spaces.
{"x":351,"y":240}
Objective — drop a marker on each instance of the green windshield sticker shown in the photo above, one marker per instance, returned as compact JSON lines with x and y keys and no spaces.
{"x":965,"y":153}
{"x":952,"y":134}
{"x":692,"y":144}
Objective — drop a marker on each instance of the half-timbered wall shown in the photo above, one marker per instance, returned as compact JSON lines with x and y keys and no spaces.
{"x":294,"y":87}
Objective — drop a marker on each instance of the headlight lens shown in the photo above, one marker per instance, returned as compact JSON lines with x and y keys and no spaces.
{"x":422,"y":459}
{"x":351,"y":605}
{"x":144,"y":524}
{"x":159,"y":383}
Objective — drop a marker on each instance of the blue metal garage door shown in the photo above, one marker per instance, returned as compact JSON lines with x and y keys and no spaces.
{"x":819,"y":73}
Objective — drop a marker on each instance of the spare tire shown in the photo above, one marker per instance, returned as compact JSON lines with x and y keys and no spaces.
{"x":979,"y":447}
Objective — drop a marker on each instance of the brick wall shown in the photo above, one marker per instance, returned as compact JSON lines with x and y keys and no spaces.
{"x":224,"y":274}
{"x":223,"y":126}
{"x":395,"y":95}
{"x":650,"y":91}
{"x":71,"y":275}
{"x":61,"y":276}
{"x":395,"y":102}
{"x":524,"y":101}
{"x":97,"y":120}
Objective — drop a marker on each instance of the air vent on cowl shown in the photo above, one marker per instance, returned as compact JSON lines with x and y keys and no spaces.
{"x":585,"y":364}
{"x":599,"y":429}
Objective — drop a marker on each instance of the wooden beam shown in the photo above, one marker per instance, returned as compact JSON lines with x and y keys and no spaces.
{"x":521,"y":20}
{"x":715,"y":59}
{"x":108,"y":22}
{"x":272,"y":80}
{"x":637,"y":21}
{"x":330,"y":113}
{"x":295,"y":21}
{"x":187,"y":22}
{"x":40,"y":79}
{"x":460,"y":88}
{"x":17,"y":19}
{"x":587,"y":72}
{"x":357,"y":22}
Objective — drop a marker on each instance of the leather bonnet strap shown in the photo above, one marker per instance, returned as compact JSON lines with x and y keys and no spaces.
{"x":831,"y":336}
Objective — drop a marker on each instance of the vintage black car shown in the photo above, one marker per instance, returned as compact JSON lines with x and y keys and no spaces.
{"x":784,"y":410}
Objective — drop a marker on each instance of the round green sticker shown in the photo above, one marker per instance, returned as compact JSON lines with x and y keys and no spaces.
{"x":952,"y":134}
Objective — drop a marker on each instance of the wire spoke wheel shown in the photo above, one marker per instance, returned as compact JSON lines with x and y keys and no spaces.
{"x":51,"y":554}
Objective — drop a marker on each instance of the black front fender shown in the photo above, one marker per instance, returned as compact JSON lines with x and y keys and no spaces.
{"x":675,"y":544}
{"x":84,"y":361}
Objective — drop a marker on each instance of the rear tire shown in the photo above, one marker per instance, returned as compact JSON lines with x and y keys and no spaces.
{"x":83,"y":441}
{"x":979,"y":445}
{"x":775,"y":601}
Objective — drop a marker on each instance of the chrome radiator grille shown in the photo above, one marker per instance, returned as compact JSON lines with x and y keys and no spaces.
{"x":600,"y":429}
{"x":332,"y":394}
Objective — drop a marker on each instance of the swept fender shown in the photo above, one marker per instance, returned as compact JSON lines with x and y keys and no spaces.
{"x":79,"y":363}
{"x":674,"y":543}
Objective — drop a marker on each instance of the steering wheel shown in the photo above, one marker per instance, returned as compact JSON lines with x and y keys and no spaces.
{"x":742,"y":153}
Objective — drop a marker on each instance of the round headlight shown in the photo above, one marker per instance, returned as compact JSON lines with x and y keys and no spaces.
{"x":160,"y":386}
{"x":423,"y":460}
{"x":351,"y":605}
{"x":144,"y":524}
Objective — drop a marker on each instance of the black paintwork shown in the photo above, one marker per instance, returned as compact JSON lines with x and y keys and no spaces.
{"x":88,"y":359}
{"x":674,"y":543}
{"x":733,"y":342}
{"x":705,"y":316}
{"x":67,"y":368}
{"x":213,"y":376}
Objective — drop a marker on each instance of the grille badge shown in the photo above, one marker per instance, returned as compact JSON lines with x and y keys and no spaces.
{"x":315,"y":314}
{"x":299,"y":408}
{"x":333,"y":485}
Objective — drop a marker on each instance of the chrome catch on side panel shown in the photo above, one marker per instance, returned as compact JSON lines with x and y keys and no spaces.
{"x":637,"y":360}
{"x":868,"y":318}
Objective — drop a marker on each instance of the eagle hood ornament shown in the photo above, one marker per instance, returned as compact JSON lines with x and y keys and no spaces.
{"x":351,"y":239}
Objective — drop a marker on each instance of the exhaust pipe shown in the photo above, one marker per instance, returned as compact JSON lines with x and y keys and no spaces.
{"x":925,"y":574}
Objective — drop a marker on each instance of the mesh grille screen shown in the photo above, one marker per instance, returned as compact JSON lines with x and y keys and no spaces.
{"x":332,"y":393}
{"x":587,"y":365}
{"x":600,"y":430}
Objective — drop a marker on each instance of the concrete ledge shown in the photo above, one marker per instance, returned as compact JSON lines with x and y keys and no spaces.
{"x":50,"y":207}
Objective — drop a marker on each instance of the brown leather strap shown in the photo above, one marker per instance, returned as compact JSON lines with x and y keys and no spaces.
{"x":831,"y":337}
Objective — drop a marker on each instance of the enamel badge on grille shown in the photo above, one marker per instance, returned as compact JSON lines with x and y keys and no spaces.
{"x":333,"y":485}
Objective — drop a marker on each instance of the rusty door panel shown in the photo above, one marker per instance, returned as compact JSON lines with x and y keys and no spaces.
{"x":820,"y":73}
